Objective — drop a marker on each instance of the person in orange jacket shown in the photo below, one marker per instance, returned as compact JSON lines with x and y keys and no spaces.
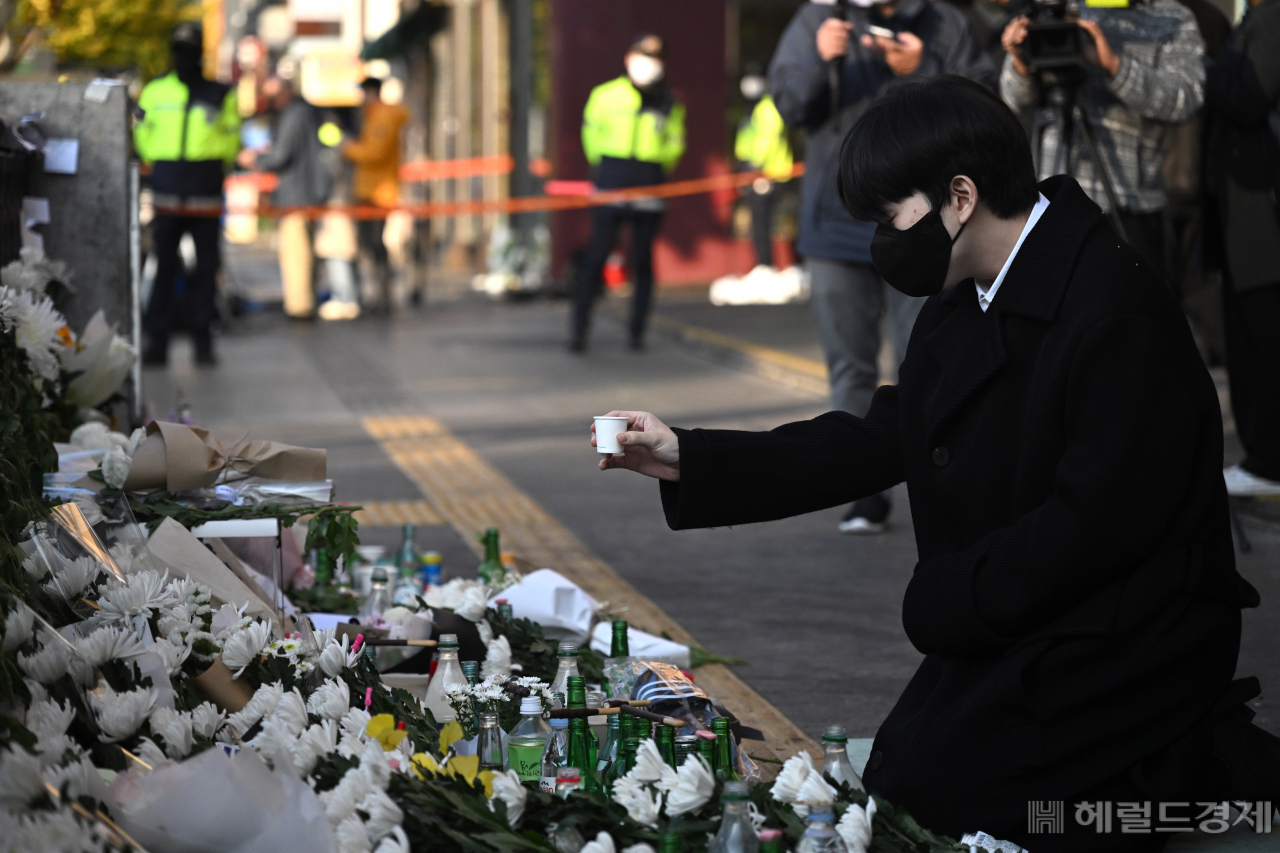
{"x":376,"y":154}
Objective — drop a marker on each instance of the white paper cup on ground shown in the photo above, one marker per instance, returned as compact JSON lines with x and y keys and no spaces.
{"x":607,"y":429}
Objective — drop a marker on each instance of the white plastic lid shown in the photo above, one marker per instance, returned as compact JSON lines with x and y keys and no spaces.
{"x":531,"y":705}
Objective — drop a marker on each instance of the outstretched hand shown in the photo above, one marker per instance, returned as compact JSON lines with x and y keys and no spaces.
{"x":649,"y":447}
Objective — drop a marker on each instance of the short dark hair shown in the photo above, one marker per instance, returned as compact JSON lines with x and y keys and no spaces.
{"x":920,"y":134}
{"x":374,"y":83}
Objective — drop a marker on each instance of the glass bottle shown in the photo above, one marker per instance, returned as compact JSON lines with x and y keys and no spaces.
{"x":620,"y":647}
{"x":707,"y":749}
{"x":505,"y":610}
{"x":490,"y":570}
{"x":608,"y":753}
{"x":627,"y":755}
{"x":820,"y":834}
{"x":669,"y":842}
{"x":379,"y":598}
{"x":567,"y":665}
{"x":770,"y":841}
{"x":430,"y":569}
{"x":556,"y":752}
{"x":527,"y":741}
{"x":322,"y":566}
{"x":489,"y":746}
{"x":581,"y":738}
{"x":736,"y":834}
{"x":835,"y":757}
{"x":725,"y":768}
{"x":568,"y":780}
{"x":643,"y":728}
{"x":407,"y":554}
{"x":448,"y":672}
{"x":598,"y":723}
{"x":665,"y":737}
{"x":471,"y":672}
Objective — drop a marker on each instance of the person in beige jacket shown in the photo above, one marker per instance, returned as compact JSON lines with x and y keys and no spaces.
{"x":376,"y":154}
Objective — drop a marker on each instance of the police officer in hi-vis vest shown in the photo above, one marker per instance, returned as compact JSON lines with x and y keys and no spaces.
{"x":633,"y":136}
{"x":189,"y":138}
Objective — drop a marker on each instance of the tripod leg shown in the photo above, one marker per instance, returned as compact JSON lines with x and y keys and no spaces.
{"x":1112,"y":199}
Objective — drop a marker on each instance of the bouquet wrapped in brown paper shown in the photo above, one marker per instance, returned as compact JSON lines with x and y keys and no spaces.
{"x":178,"y":458}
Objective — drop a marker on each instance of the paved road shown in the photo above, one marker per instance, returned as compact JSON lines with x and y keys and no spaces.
{"x":815,"y":614}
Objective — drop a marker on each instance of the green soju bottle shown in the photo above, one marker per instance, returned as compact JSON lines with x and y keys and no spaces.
{"x":619,"y":648}
{"x":665,"y":736}
{"x":407,"y":558}
{"x":669,"y":842}
{"x":608,"y":754}
{"x":580,"y":737}
{"x":491,"y":571}
{"x":724,"y":768}
{"x":707,"y":749}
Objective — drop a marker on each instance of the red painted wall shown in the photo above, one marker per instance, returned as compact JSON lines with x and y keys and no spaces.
{"x":588,"y":40}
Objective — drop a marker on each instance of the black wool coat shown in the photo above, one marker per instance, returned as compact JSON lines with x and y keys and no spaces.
{"x":1076,"y":594}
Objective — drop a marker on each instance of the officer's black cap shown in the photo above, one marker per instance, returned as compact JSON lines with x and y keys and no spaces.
{"x":189,"y":33}
{"x":649,"y":44}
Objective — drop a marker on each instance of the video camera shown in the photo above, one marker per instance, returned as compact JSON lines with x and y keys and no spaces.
{"x":1055,"y":43}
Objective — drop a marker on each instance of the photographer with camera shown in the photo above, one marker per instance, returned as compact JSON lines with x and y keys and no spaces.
{"x":1137,"y":69}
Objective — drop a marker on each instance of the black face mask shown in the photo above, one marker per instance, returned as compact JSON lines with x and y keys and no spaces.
{"x":914,"y":261}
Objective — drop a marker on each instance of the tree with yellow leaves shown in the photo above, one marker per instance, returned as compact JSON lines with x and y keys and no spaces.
{"x":108,"y":35}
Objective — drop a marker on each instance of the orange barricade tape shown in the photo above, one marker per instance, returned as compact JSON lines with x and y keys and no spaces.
{"x":447,"y":209}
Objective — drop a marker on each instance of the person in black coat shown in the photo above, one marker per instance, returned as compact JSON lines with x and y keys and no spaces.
{"x":1242,"y":164}
{"x":1076,"y":595}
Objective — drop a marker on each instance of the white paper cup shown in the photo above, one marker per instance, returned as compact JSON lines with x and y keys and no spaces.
{"x":607,"y":429}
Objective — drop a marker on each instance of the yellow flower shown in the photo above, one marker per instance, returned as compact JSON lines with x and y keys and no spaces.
{"x":421,"y":759}
{"x":450,"y":734}
{"x":486,"y":778}
{"x":467,"y":766}
{"x":383,"y":729}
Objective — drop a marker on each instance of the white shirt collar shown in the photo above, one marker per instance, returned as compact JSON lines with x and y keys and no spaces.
{"x":985,"y":296}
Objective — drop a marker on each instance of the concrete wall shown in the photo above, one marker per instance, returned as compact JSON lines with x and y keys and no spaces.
{"x":89,"y":210}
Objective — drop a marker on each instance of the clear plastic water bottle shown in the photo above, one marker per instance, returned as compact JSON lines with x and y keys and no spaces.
{"x":820,"y":834}
{"x":567,"y":666}
{"x":379,"y":599}
{"x":835,"y":757}
{"x":736,"y":834}
{"x":448,"y":671}
{"x":568,"y":779}
{"x":527,"y":741}
{"x":556,"y":752}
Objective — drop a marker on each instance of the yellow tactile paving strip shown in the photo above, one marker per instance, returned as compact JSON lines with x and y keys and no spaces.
{"x":470,"y":495}
{"x":395,"y":513}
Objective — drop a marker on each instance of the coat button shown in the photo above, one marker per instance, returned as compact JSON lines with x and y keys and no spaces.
{"x":877,"y":758}
{"x":941,"y":456}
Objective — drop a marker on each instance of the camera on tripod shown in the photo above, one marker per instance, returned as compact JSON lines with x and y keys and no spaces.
{"x":1054,"y":46}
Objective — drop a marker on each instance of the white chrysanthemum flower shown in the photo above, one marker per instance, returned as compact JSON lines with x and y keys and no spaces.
{"x":340,"y":801}
{"x":72,"y":577}
{"x":206,"y":718}
{"x":109,"y":643}
{"x":396,"y":842}
{"x":473,"y":602}
{"x":383,"y":814}
{"x":150,"y":753}
{"x":642,"y":804}
{"x":263,"y":702}
{"x":450,"y":594}
{"x":508,"y":788}
{"x":649,"y":764}
{"x":173,"y":654}
{"x":373,"y":765}
{"x":243,"y":646}
{"x":793,"y":774}
{"x":35,"y":566}
{"x":103,"y":360}
{"x":693,"y":789}
{"x":53,"y":830}
{"x":855,"y":826}
{"x":74,"y":775}
{"x":20,"y":779}
{"x":115,"y":467}
{"x":37,"y":691}
{"x":95,"y":435}
{"x":89,"y":509}
{"x":602,"y":843}
{"x":350,"y":837}
{"x":140,"y":595}
{"x":330,"y":700}
{"x":49,"y":718}
{"x":136,"y":438}
{"x":639,"y":848}
{"x":320,"y":740}
{"x":53,"y":749}
{"x":814,"y":791}
{"x":47,"y":665}
{"x":756,"y":817}
{"x":497,"y":658}
{"x":120,"y":714}
{"x":175,"y":728}
{"x":291,"y":712}
{"x":485,"y":630}
{"x":337,"y":657}
{"x":17,"y":627}
{"x":37,"y":329}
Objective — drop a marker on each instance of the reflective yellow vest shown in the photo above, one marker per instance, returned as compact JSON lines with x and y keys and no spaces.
{"x":189,"y":139}
{"x":762,"y":142}
{"x":613,"y":125}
